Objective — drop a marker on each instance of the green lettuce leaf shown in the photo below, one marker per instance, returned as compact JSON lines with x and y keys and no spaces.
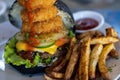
{"x":10,"y":55}
{"x":71,"y":34}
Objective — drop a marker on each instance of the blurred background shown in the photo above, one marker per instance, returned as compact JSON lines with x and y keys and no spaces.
{"x":77,"y":5}
{"x":110,"y":9}
{"x":93,"y":4}
{"x":106,"y":7}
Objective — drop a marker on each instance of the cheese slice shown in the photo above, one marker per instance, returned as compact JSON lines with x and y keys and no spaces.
{"x":23,"y":46}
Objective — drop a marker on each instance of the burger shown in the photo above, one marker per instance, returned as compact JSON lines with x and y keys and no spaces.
{"x":43,"y":37}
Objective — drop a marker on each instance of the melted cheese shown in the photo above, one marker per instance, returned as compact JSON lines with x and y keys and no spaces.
{"x":22,"y":46}
{"x":51,"y":50}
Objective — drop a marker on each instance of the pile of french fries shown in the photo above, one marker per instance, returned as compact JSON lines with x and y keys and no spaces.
{"x":86,"y":57}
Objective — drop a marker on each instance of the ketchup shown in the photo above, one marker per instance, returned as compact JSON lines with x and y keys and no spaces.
{"x":34,"y":41}
{"x":86,"y":24}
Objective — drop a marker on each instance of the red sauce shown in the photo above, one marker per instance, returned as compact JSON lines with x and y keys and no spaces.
{"x":29,"y":47}
{"x":27,"y":4}
{"x":29,"y":13}
{"x":86,"y":23}
{"x":30,"y":17}
{"x":29,"y":53}
{"x":34,"y":41}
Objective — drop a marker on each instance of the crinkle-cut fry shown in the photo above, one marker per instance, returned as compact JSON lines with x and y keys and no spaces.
{"x":94,"y":57}
{"x":33,"y":4}
{"x":39,"y":14}
{"x":64,"y":61}
{"x":84,"y":59}
{"x":53,"y":25}
{"x":111,"y":32}
{"x":102,"y":61}
{"x":72,"y":62}
{"x":104,"y":40}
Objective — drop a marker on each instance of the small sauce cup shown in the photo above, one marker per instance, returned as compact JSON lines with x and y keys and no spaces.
{"x":88,"y":21}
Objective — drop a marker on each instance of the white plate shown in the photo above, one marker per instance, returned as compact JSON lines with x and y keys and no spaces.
{"x":7,"y":31}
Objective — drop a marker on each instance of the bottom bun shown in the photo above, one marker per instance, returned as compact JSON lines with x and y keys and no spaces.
{"x":34,"y":70}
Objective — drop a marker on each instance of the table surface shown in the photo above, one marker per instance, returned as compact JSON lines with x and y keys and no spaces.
{"x":108,"y":8}
{"x":110,"y":11}
{"x":111,"y":14}
{"x":112,"y":17}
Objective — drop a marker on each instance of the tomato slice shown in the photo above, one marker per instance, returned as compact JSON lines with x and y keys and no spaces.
{"x":61,"y":41}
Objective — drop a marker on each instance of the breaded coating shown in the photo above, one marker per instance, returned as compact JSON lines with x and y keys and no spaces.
{"x":39,"y":14}
{"x":26,"y":27}
{"x":33,"y":4}
{"x":53,"y":25}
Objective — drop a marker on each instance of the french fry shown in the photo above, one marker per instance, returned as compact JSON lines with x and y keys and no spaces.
{"x":72,"y":62}
{"x":91,"y":34}
{"x":58,"y":75}
{"x":113,"y":53}
{"x":80,"y":63}
{"x":102,"y":61}
{"x":50,"y":68}
{"x":104,"y":40}
{"x":84,"y":59}
{"x":98,"y":34}
{"x":64,"y":61}
{"x":94,"y":56}
{"x":111,"y":32}
{"x":47,"y":77}
{"x":53,"y":74}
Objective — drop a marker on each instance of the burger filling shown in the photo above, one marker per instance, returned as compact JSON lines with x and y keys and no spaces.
{"x":20,"y":51}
